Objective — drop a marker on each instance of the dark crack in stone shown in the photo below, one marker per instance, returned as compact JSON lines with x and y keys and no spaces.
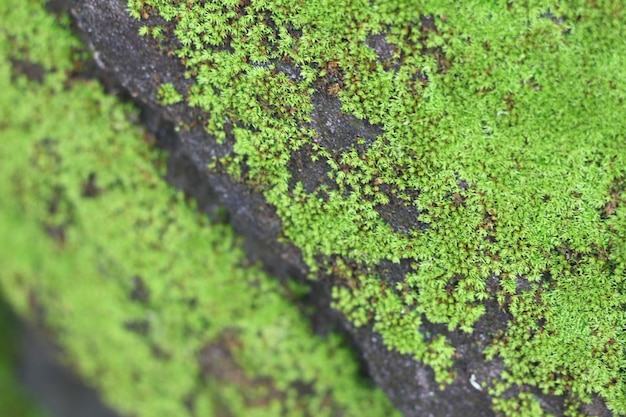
{"x":411,"y":384}
{"x":310,"y":170}
{"x":401,"y":215}
{"x":290,"y":70}
{"x":140,"y":291}
{"x":378,"y":43}
{"x":394,"y":273}
{"x":139,"y":327}
{"x":31,"y":70}
{"x":597,"y":408}
{"x":340,"y":132}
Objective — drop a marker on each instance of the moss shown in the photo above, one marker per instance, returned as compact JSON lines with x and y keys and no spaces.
{"x":501,"y":125}
{"x":168,"y":95}
{"x":152,"y":304}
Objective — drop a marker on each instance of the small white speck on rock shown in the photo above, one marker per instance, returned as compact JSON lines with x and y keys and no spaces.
{"x":475,"y":383}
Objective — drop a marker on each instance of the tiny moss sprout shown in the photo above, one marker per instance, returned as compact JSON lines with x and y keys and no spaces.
{"x":167,"y":95}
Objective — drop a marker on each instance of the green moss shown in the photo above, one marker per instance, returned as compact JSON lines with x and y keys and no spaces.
{"x":152,"y":303}
{"x":167,"y":95}
{"x":502,"y":126}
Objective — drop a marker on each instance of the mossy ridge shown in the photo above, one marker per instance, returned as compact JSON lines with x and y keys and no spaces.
{"x":136,"y":285}
{"x":504,"y":121}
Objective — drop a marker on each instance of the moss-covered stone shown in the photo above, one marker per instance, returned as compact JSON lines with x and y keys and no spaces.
{"x":502,"y":136}
{"x":152,"y":303}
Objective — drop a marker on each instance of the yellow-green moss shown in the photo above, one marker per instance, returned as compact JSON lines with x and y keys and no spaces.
{"x":151,"y":303}
{"x":502,"y":126}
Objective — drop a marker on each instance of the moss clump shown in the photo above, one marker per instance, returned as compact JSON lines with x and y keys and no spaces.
{"x":151,"y":302}
{"x":167,"y":95}
{"x":502,"y":129}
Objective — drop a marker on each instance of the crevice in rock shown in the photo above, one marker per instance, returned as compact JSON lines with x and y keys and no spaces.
{"x":339,"y":132}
